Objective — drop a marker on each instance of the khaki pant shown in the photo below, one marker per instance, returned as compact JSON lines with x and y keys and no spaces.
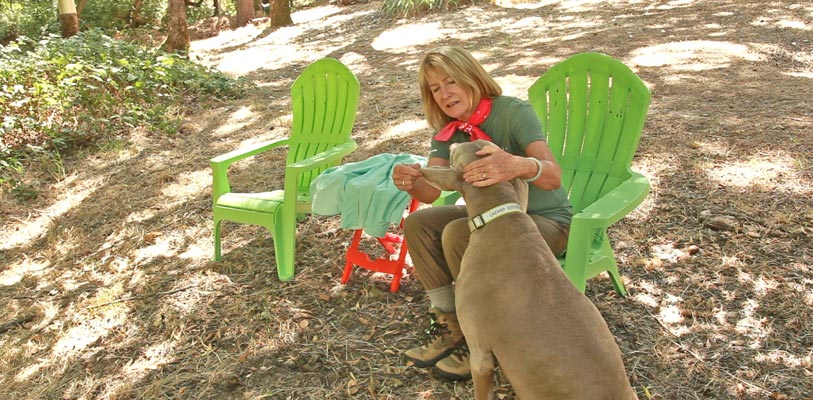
{"x":438,"y":236}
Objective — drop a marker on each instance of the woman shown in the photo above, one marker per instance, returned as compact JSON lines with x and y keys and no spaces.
{"x":463,"y":102}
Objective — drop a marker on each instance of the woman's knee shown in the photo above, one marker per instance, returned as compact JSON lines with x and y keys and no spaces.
{"x":416,"y":222}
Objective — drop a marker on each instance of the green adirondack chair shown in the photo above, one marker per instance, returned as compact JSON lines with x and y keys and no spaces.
{"x":592,"y":108}
{"x":324,"y":101}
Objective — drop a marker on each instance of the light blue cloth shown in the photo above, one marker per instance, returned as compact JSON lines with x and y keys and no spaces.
{"x":363,"y":193}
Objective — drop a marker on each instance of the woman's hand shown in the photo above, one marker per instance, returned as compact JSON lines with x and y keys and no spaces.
{"x":405,"y":175}
{"x":497,"y":165}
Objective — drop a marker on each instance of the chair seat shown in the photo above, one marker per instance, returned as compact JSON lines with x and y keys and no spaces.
{"x":266,"y":202}
{"x":263,"y":202}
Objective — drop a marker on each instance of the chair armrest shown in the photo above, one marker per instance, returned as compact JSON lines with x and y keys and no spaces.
{"x":331,"y":155}
{"x":616,"y":204}
{"x":220,"y":164}
{"x":446,"y":198}
{"x":247,"y":151}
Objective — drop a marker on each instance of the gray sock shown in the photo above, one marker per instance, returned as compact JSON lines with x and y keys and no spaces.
{"x":442,"y":298}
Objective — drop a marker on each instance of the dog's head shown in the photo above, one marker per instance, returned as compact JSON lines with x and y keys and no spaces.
{"x":451,"y":178}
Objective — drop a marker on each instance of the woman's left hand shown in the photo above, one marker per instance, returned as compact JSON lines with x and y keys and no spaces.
{"x":498,"y":166}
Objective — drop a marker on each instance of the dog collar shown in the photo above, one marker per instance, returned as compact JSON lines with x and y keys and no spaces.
{"x":481,"y":220}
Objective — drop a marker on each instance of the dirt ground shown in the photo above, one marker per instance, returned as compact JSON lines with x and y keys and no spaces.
{"x":109,"y":291}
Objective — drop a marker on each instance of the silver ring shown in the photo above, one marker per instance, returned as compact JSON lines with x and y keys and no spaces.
{"x":403,"y":183}
{"x":484,"y":176}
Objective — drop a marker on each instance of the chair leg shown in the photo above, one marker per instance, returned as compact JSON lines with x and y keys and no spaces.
{"x":353,"y":255}
{"x":218,"y":256}
{"x":284,"y":236}
{"x":615,"y":276}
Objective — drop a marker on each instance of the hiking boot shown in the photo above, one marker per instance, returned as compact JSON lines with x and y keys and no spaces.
{"x":455,"y":367}
{"x":444,"y":336}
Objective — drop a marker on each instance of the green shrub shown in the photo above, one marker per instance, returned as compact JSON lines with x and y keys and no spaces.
{"x":415,"y":7}
{"x":58,"y":95}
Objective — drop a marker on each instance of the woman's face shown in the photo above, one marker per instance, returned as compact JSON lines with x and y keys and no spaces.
{"x":453,"y":99}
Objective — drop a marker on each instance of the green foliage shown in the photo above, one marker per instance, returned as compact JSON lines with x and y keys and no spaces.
{"x":29,"y":17}
{"x":37,"y":18}
{"x":416,"y":7}
{"x":58,"y":95}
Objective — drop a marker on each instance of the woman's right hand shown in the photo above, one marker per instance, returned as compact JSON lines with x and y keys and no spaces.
{"x":405,"y":175}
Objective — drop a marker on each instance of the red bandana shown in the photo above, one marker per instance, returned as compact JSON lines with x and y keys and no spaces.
{"x":470,"y":126}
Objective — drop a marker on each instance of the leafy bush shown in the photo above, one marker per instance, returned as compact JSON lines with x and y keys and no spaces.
{"x":416,"y":7}
{"x":57,"y":95}
{"x":28,"y":18}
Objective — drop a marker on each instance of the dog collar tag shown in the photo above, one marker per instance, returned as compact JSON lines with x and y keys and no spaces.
{"x":481,"y":220}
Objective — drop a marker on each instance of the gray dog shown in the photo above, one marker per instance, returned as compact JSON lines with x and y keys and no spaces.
{"x":517,"y":307}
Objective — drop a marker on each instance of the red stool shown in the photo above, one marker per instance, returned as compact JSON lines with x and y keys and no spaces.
{"x":358,"y":258}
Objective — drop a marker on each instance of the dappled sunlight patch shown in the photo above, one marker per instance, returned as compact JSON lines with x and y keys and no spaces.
{"x":528,"y":23}
{"x":25,"y":267}
{"x":669,"y":312}
{"x":141,"y":215}
{"x":228,"y":38}
{"x":695,"y":55}
{"x":399,"y":131}
{"x":533,"y":59}
{"x":808,"y":75}
{"x":356,"y":63}
{"x":254,"y":58}
{"x":764,"y":285}
{"x":516,"y":85}
{"x":780,"y":18}
{"x":766,"y":172}
{"x":196,"y":291}
{"x":91,"y":325}
{"x":201,"y":245}
{"x":786,"y":359}
{"x":524,"y":4}
{"x":24,"y":231}
{"x":280,"y":47}
{"x":237,"y":120}
{"x":407,"y":36}
{"x":578,"y":6}
{"x":313,"y":14}
{"x":645,"y":298}
{"x":668,"y":253}
{"x":750,"y":324}
{"x":153,"y":358}
{"x":161,"y":245}
{"x":187,"y":185}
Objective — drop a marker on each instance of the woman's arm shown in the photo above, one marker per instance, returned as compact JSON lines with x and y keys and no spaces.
{"x":502,"y":166}
{"x":409,"y":179}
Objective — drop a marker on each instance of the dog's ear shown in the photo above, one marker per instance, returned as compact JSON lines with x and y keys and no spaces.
{"x":521,"y":188}
{"x":443,"y":178}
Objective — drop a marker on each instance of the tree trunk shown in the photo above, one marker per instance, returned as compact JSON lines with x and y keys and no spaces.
{"x":136,"y":19}
{"x":280,"y":13}
{"x":68,"y":18}
{"x":80,"y":6}
{"x":245,"y":12}
{"x":216,"y":6}
{"x":177,"y":32}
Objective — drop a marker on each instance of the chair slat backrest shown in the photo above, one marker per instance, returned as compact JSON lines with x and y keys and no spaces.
{"x":324,"y":100}
{"x":592,"y":108}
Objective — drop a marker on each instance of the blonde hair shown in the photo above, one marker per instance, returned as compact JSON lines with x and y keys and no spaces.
{"x":463,"y":69}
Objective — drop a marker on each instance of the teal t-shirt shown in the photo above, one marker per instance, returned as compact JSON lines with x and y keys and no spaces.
{"x":512,"y":124}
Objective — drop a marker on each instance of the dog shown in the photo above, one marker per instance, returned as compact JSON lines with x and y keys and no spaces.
{"x":517,"y":307}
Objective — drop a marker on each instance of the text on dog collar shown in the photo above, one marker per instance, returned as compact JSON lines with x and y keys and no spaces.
{"x":481,"y":220}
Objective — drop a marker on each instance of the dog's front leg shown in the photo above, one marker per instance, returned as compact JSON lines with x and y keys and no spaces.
{"x":482,"y":373}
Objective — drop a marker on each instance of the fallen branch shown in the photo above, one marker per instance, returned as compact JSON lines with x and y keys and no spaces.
{"x":131,"y":298}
